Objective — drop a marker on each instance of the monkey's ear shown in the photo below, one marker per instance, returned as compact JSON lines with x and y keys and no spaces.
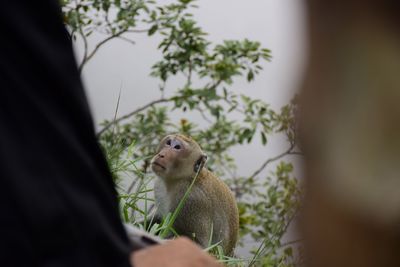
{"x":200,"y":162}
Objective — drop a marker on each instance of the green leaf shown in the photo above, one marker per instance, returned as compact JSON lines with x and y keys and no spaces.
{"x":152,"y":30}
{"x":250,"y":76}
{"x":263,"y":138}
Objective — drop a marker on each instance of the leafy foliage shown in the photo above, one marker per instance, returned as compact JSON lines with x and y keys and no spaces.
{"x":267,"y":202}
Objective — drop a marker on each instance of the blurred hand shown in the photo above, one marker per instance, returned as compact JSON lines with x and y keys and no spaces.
{"x":180,"y":252}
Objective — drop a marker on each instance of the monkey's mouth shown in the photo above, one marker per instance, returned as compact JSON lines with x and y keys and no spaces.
{"x":158,"y":164}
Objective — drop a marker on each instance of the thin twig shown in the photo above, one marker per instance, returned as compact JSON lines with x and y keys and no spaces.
{"x":162,"y":89}
{"x":216,"y":84}
{"x":97,"y":47}
{"x":268,"y":161}
{"x":189,"y":80}
{"x":203,"y":115}
{"x":296,"y":153}
{"x":127,"y":40}
{"x":82,"y":34}
{"x":138,"y":31}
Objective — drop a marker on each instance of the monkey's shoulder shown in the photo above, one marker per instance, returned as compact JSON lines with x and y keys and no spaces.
{"x":212,"y":182}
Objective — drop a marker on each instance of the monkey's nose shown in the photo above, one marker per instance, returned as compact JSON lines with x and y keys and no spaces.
{"x":161,"y":155}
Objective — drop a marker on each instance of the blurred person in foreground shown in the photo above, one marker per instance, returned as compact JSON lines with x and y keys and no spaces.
{"x":58,"y":203}
{"x":350,"y":124}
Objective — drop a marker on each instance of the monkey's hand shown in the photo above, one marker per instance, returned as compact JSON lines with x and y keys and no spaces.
{"x":180,"y":252}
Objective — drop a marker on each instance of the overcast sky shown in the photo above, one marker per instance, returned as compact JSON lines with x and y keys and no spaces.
{"x":278,"y":24}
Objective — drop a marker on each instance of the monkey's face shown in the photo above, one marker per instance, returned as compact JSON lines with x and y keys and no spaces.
{"x":176,"y":158}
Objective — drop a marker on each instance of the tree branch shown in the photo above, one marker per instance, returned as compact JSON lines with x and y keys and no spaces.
{"x":268,"y":161}
{"x":161,"y":100}
{"x":85,"y":42}
{"x":203,"y":115}
{"x":124,"y":117}
{"x":138,"y":31}
{"x":127,"y":40}
{"x":97,"y":47}
{"x":295,"y":153}
{"x":87,"y":56}
{"x":85,"y":51}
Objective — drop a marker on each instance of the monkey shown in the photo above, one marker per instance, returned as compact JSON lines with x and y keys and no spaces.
{"x":210,"y":207}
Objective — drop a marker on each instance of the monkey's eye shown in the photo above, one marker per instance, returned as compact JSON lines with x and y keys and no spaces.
{"x":169,"y":142}
{"x":177,"y":147}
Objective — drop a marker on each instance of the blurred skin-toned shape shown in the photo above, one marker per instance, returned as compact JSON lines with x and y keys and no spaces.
{"x":176,"y":253}
{"x":350,"y":124}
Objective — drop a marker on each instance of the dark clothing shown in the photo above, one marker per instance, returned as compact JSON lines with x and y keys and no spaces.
{"x":57,"y":201}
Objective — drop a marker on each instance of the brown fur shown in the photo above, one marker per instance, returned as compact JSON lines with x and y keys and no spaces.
{"x":210,"y":205}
